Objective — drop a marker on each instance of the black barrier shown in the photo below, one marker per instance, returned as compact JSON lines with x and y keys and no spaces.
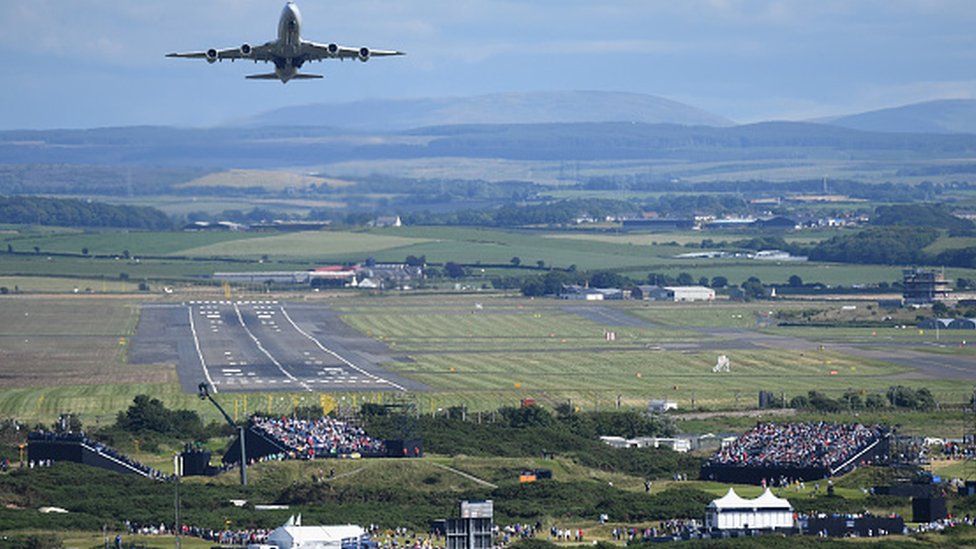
{"x":257,"y":445}
{"x":756,"y":475}
{"x":413,"y":448}
{"x":863,"y":526}
{"x":928,"y":509}
{"x":906,"y":490}
{"x":197,"y":464}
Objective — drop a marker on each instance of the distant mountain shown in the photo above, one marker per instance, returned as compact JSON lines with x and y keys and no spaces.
{"x":275,"y":147}
{"x":510,"y":108}
{"x":943,"y":116}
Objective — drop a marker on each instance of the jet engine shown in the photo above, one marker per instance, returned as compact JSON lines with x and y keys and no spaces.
{"x":211,"y":55}
{"x":364,"y":54}
{"x":333,"y":49}
{"x":245,"y":50}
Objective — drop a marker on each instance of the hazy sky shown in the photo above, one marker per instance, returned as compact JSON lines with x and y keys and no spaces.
{"x":90,"y":63}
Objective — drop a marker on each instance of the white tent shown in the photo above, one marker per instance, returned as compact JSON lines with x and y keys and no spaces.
{"x":732,"y":512}
{"x":295,"y":536}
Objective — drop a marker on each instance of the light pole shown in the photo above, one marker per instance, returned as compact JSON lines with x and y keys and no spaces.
{"x":204,"y":392}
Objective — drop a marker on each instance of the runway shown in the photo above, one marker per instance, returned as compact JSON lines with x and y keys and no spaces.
{"x":260,"y":345}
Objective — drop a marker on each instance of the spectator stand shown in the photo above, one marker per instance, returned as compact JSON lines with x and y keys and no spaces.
{"x":775,"y":453}
{"x":292,"y":438}
{"x":78,"y":448}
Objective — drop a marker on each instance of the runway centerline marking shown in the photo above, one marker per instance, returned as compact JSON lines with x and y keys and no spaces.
{"x":266,"y":353}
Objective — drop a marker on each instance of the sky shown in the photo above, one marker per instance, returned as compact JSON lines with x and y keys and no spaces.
{"x":98,"y":63}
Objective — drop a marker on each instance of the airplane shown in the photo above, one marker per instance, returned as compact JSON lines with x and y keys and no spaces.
{"x":288,"y":52}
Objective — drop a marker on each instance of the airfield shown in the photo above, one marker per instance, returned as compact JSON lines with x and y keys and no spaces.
{"x":92,"y":354}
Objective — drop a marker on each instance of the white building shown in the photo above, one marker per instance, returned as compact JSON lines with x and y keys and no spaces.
{"x":733,"y":512}
{"x":682,"y":293}
{"x":676,"y":444}
{"x":292,"y":535}
{"x":661,"y":406}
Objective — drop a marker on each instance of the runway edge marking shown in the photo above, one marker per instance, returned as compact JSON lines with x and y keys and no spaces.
{"x":335,"y":354}
{"x":196,"y":343}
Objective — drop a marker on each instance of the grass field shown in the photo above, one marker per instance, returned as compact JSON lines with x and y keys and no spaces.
{"x":53,"y":284}
{"x":317,"y":244}
{"x":265,"y":179}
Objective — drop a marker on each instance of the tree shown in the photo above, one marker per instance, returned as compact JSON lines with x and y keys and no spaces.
{"x":875,"y":401}
{"x":147,"y":414}
{"x":753,"y":288}
{"x":795,"y":281}
{"x":703,"y":281}
{"x":453,"y":270}
{"x":516,"y":261}
{"x":415,"y":261}
{"x":541,"y":264}
{"x":526,"y":416}
{"x":685,"y":279}
{"x":852,"y":399}
{"x":37,"y":249}
{"x":659,"y":279}
{"x":84,"y":251}
{"x":605,"y":279}
{"x":719,"y":282}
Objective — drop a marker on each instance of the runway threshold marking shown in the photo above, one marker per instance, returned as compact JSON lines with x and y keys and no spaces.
{"x":266,"y":353}
{"x":196,"y":343}
{"x":336,"y":355}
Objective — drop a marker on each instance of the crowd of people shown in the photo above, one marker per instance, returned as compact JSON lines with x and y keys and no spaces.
{"x":818,"y":445}
{"x":99,"y":448}
{"x":322,"y":437}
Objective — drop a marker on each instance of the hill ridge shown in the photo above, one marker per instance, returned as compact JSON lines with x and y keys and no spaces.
{"x":498,"y":108}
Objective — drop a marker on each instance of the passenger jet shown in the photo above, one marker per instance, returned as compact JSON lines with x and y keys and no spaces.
{"x":289,"y":52}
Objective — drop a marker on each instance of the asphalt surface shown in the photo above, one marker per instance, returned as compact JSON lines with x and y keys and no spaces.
{"x":263,"y":346}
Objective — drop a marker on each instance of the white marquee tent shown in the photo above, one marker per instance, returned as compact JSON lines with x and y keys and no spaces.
{"x":292,"y":535}
{"x":733,"y":512}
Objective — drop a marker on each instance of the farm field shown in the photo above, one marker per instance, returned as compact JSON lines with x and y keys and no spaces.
{"x":197,"y":255}
{"x":317,"y":244}
{"x":52,"y":284}
{"x":139,"y":243}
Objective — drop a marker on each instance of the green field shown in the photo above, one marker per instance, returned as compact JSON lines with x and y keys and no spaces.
{"x":318,"y":244}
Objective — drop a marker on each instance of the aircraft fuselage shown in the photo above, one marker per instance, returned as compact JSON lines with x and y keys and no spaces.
{"x":289,"y":44}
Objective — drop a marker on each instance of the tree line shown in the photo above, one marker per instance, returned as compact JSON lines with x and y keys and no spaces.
{"x":65,"y":212}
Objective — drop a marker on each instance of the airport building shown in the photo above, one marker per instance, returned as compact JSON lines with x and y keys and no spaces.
{"x":924,"y":286}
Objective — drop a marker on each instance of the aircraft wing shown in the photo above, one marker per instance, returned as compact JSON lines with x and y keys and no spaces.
{"x":316,"y":52}
{"x":257,"y":53}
